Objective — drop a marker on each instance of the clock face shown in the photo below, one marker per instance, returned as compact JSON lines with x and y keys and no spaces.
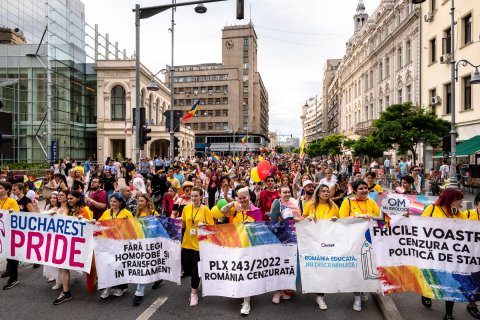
{"x":229,"y":44}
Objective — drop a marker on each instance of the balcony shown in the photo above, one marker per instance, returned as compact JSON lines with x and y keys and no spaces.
{"x":364,"y":128}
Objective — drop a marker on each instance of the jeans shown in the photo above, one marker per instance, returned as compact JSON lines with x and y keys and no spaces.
{"x":12,"y":268}
{"x":140,"y":290}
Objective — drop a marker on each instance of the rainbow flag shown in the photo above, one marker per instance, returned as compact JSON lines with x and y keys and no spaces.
{"x":302,"y":148}
{"x":215,"y":157}
{"x":38,"y":183}
{"x":191,"y":113}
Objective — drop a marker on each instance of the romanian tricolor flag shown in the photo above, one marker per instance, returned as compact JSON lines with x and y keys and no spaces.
{"x":215,"y":157}
{"x":192,"y":112}
{"x":244,"y":139}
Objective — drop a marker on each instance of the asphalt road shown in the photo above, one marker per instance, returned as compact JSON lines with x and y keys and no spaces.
{"x":32,"y":299}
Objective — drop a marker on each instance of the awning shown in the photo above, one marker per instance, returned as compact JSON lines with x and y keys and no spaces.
{"x":465,"y":149}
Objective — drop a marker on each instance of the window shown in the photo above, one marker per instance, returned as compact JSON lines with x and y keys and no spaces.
{"x":380,"y":72}
{"x":245,"y":78}
{"x":371,"y":78}
{"x":399,"y":58}
{"x":117,"y":104}
{"x":409,"y":93}
{"x":366,"y":81}
{"x":245,"y":41}
{"x":366,"y":113}
{"x":380,"y":105}
{"x":433,"y":50}
{"x":467,"y":29}
{"x":467,"y":93}
{"x":447,"y":89}
{"x":447,"y":41}
{"x":400,"y":98}
{"x":408,"y":49}
{"x":371,"y":111}
{"x":387,"y":101}
{"x":433,"y":5}
{"x":387,"y":67}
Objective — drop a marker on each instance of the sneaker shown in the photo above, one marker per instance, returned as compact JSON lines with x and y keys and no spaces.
{"x":137,"y":300}
{"x":64,"y":296}
{"x":448,"y":317}
{"x":10,"y":285}
{"x":357,"y":304}
{"x":321,"y":302}
{"x":6,"y":274}
{"x":286,"y":296}
{"x":245,"y":311}
{"x":117,"y":292}
{"x":276,"y":297}
{"x":156,"y":284}
{"x":193,"y":299}
{"x":473,"y":311}
{"x":105,"y":293}
{"x":365,"y":296}
{"x":427,"y":302}
{"x":51,"y":279}
{"x":57,"y":286}
{"x":35,"y":266}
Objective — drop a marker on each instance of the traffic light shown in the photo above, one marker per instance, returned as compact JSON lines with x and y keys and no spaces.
{"x":177,"y":115}
{"x":144,"y":131}
{"x":176,"y":146}
{"x":240,"y":9}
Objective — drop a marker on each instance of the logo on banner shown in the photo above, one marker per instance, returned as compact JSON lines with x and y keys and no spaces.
{"x":368,"y":264}
{"x":395,"y":204}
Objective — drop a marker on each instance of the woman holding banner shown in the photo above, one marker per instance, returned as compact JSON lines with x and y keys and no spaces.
{"x":145,"y":208}
{"x":76,"y":208}
{"x":194,"y":215}
{"x":321,"y":207}
{"x":52,"y":273}
{"x":117,"y":210}
{"x":243,"y":211}
{"x":474,"y":214}
{"x":361,"y":206}
{"x":446,"y":207}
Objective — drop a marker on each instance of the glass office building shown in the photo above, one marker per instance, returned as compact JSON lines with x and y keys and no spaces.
{"x":47,"y":87}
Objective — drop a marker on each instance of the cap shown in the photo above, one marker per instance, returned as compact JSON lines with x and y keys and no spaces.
{"x":307,"y":182}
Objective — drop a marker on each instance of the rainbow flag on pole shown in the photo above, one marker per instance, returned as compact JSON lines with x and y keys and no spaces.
{"x":191,"y":113}
{"x":215,"y":157}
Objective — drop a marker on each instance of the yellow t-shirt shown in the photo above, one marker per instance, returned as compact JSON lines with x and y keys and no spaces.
{"x":354,"y":207}
{"x":377,"y":188}
{"x":108,"y":214}
{"x":8,"y":204}
{"x":436,"y":211}
{"x":191,"y":217}
{"x":240,"y":216}
{"x":322,"y":211}
{"x":174,"y":182}
{"x":148,"y":214}
{"x":472,"y":214}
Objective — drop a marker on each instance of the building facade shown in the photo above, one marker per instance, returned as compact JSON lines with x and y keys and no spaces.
{"x":233,"y":98}
{"x":436,"y":67}
{"x":47,"y":82}
{"x":381,"y":65}
{"x":115,"y":108}
{"x":312,"y":118}
{"x":331,"y":97}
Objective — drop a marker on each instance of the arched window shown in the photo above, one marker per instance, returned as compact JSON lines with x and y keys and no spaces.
{"x":118,"y":105}
{"x":150,"y":110}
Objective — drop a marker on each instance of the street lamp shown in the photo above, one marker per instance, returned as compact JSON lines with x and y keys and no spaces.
{"x":145,"y":13}
{"x":153,"y":86}
{"x":454,"y":78}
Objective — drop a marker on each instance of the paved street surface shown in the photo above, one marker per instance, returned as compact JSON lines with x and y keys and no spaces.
{"x":32,"y":298}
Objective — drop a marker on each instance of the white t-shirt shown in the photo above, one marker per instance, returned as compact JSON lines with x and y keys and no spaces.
{"x":330,"y":183}
{"x":444,"y":170}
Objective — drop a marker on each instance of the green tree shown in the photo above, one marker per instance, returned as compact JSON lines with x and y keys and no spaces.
{"x":403,"y":126}
{"x":368,"y":146}
{"x":330,"y":145}
{"x":279,"y":149}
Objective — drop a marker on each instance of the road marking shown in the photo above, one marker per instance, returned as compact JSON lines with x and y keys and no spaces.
{"x":152,"y":309}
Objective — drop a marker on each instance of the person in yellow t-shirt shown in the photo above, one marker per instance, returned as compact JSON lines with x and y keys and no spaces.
{"x":145,"y":206}
{"x":446,"y":207}
{"x":7,"y":203}
{"x":194,"y":215}
{"x":372,"y":185}
{"x":321,"y":207}
{"x":117,"y":210}
{"x":361,"y":205}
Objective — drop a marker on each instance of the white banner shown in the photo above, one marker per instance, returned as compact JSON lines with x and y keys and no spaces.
{"x":263,"y":262}
{"x":336,"y":256}
{"x":57,"y":241}
{"x":137,"y":251}
{"x":438,"y":258}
